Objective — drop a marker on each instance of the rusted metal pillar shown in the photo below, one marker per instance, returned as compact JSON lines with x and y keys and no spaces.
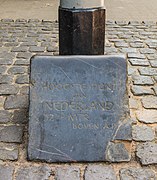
{"x":81,"y":27}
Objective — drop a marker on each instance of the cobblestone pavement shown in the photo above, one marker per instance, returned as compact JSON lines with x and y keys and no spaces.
{"x":21,"y":39}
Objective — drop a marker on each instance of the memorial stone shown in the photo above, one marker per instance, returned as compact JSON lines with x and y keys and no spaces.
{"x":77,"y":104}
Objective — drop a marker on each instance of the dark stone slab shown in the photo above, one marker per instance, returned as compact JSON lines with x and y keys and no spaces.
{"x":77,"y":103}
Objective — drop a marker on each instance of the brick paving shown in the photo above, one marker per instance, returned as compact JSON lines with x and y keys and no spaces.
{"x":21,"y":39}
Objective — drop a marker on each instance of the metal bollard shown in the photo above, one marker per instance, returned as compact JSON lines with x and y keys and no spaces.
{"x":81,"y":27}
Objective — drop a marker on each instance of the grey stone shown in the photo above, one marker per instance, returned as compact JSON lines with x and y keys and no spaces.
{"x":124,"y":131}
{"x":67,"y":173}
{"x":155,"y":78}
{"x":150,"y":102}
{"x":19,"y":49}
{"x":134,"y":173}
{"x":33,"y":173}
{"x":4,"y":61}
{"x":11,"y":133}
{"x":136,"y":55}
{"x":20,"y":116}
{"x":6,"y":79}
{"x":147,"y":153}
{"x":116,"y":152}
{"x":7,"y":89}
{"x":18,"y":70}
{"x":148,"y":71}
{"x":143,"y":80}
{"x":147,"y":116}
{"x":8,"y":152}
{"x":16,"y":102}
{"x":133,"y":103}
{"x":22,"y":79}
{"x":99,"y":172}
{"x":139,"y":62}
{"x":141,"y":90}
{"x":137,"y":45}
{"x":153,"y":63}
{"x":155,"y":89}
{"x":25,"y":55}
{"x":6,"y":172}
{"x":22,"y":62}
{"x":75,"y":85}
{"x":29,"y":43}
{"x":143,"y":133}
{"x":3,"y":69}
{"x":121,"y":44}
{"x":24,"y":90}
{"x":5,"y":116}
{"x":147,"y":51}
{"x":131,"y":71}
{"x":36,"y":49}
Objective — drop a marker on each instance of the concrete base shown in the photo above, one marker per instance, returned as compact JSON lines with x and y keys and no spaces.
{"x":81,"y":32}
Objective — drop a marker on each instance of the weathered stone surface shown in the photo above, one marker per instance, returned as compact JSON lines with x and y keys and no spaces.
{"x":65,"y":97}
{"x":155,"y":89}
{"x":16,"y":102}
{"x":148,"y":71}
{"x":136,"y":55}
{"x":147,"y":153}
{"x":143,"y":80}
{"x":7,"y":89}
{"x":6,"y":172}
{"x":24,"y":90}
{"x":36,"y":49}
{"x":140,"y":90}
{"x":150,"y":102}
{"x":22,"y":79}
{"x":8,"y":152}
{"x":139,"y":62}
{"x":6,"y":79}
{"x":67,"y":173}
{"x":143,"y":133}
{"x":2,"y":69}
{"x":99,"y":172}
{"x":116,"y":152}
{"x":33,"y":173}
{"x":153,"y":63}
{"x":5,"y":116}
{"x":125,"y":131}
{"x":134,"y":173}
{"x":18,"y":70}
{"x":147,"y":116}
{"x":11,"y":133}
{"x":25,"y":55}
{"x":133,"y":103}
{"x":19,"y":49}
{"x":20,"y":116}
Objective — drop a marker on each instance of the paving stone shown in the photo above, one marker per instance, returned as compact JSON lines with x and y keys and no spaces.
{"x":10,"y":44}
{"x":143,"y":80}
{"x":143,"y":133}
{"x":99,"y":172}
{"x":6,"y":172}
{"x":2,"y":69}
{"x":22,"y":62}
{"x":33,"y":173}
{"x":11,"y":133}
{"x":139,"y":62}
{"x":117,"y":152}
{"x":148,"y":71}
{"x":22,"y":79}
{"x":131,"y":71}
{"x":20,"y":116}
{"x":121,"y":44}
{"x":141,"y":90}
{"x":6,"y":79}
{"x":7,"y":89}
{"x":136,"y":55}
{"x":133,"y":103}
{"x":25,"y":55}
{"x":153,"y":63}
{"x":18,"y":70}
{"x":29,"y":43}
{"x":8,"y":152}
{"x":5,"y":116}
{"x":4,"y":61}
{"x":128,"y":50}
{"x":155,"y":78}
{"x":137,"y":45}
{"x":16,"y":102}
{"x":134,"y":173}
{"x":152,"y":56}
{"x":67,"y":173}
{"x":147,"y":153}
{"x":24,"y":90}
{"x":36,"y":49}
{"x":19,"y":49}
{"x":150,"y":102}
{"x":147,"y":116}
{"x":147,"y":51}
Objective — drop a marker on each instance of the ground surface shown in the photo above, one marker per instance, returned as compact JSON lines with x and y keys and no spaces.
{"x":21,"y":39}
{"x":142,"y":10}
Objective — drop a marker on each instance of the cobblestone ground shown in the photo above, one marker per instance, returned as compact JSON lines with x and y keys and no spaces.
{"x":21,"y":39}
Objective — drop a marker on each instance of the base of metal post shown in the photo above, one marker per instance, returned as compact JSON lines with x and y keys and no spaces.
{"x":81,"y":32}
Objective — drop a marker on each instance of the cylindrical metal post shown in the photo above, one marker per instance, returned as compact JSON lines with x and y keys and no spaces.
{"x":81,"y":27}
